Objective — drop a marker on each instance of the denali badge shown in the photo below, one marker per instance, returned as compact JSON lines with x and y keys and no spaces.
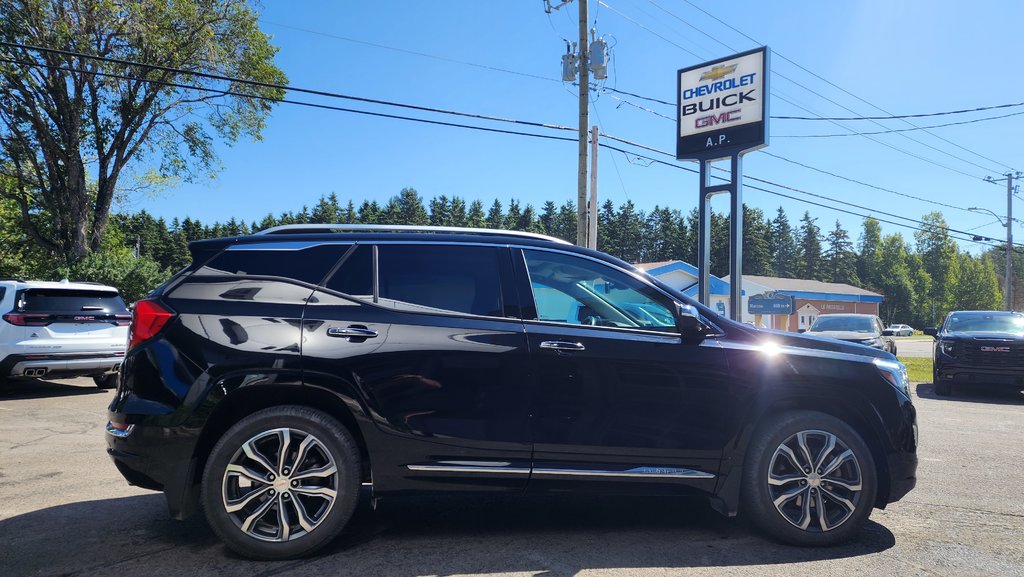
{"x":995,"y":349}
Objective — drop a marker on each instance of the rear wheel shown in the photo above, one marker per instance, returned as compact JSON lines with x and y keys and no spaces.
{"x":107,"y":381}
{"x":809,"y":479}
{"x":281,"y":483}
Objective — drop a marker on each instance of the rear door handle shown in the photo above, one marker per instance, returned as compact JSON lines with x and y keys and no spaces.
{"x":351,"y":332}
{"x":562,"y":346}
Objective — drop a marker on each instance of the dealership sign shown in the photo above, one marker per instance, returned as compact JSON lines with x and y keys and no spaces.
{"x":723,"y":106}
{"x":770,"y":303}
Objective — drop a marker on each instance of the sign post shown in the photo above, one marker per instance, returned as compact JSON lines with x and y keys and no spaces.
{"x":722,"y":114}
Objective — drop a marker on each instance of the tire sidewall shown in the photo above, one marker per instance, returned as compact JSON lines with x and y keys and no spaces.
{"x":335,"y":438}
{"x":756,"y":500}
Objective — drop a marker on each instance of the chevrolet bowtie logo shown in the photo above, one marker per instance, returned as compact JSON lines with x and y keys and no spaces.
{"x":718,"y":72}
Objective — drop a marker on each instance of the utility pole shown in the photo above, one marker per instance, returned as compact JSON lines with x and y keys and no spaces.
{"x":1009,"y":242}
{"x":592,"y":228}
{"x":584,"y":122}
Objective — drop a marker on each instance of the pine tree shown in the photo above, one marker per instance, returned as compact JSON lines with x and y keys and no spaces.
{"x":782,"y":246}
{"x":868,"y":257}
{"x":840,"y":260}
{"x":475,"y":217}
{"x":939,"y":254}
{"x":809,"y":264}
{"x":757,"y":258}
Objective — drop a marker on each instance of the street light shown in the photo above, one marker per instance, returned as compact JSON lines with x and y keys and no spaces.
{"x":1007,"y":296}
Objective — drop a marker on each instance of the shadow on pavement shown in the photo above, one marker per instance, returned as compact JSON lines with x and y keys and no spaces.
{"x":33,"y":389}
{"x":990,"y":395}
{"x":550,"y":536}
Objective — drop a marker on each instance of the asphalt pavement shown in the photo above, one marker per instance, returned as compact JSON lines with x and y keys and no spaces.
{"x":914,"y":346}
{"x":65,"y":511}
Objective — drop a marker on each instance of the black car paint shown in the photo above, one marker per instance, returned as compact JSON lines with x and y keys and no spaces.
{"x":971,"y":364}
{"x":414,"y":393}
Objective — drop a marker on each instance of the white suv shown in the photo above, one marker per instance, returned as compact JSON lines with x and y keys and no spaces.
{"x":61,"y":329}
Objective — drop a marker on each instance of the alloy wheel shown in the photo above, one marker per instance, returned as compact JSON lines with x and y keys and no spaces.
{"x":814,"y":480}
{"x":280,"y":485}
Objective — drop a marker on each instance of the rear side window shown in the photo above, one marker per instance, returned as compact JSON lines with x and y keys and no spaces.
{"x":309,"y":265}
{"x":57,"y":300}
{"x":444,"y":278}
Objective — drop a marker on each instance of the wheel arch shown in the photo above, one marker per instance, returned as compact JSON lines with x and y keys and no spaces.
{"x":855,"y":410}
{"x":244,"y":401}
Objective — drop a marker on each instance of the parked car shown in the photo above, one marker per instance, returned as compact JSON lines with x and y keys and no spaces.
{"x":899,"y":331}
{"x":61,"y":329}
{"x":978,"y":348}
{"x":854,"y":328}
{"x":279,"y":371}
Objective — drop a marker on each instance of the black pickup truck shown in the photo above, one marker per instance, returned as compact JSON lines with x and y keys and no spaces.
{"x":978,"y":348}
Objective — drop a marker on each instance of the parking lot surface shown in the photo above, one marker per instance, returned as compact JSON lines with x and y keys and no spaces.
{"x":64,"y":510}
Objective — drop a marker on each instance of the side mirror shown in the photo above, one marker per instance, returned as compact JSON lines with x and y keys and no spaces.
{"x":801,"y":330}
{"x":932,"y":331}
{"x":688,"y":322}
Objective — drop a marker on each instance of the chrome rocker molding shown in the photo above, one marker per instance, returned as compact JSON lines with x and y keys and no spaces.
{"x":637,"y":472}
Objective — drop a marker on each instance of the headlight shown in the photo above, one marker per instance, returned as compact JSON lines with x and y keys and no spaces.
{"x":896,"y":373}
{"x":871,"y":342}
{"x":946,"y":347}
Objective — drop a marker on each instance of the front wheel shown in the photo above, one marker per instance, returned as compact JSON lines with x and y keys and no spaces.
{"x":809,"y":479}
{"x":281,"y":483}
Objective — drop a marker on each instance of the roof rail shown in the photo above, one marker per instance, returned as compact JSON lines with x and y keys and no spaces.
{"x":322,"y":228}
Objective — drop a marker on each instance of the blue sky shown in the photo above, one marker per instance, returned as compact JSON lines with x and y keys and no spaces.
{"x":906,"y":57}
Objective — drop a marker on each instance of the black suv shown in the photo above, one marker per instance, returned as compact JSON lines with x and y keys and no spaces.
{"x":280,"y":371}
{"x":978,"y":348}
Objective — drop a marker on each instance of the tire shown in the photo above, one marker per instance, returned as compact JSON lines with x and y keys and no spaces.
{"x":894,"y":350}
{"x":106,"y":381}
{"x":942,"y":388}
{"x":821,"y":509}
{"x":276,"y":516}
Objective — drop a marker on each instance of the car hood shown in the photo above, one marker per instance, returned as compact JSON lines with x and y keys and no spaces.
{"x":1015,"y":337}
{"x":817,"y":342}
{"x":844,"y":335}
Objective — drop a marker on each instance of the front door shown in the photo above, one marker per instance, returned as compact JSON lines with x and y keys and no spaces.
{"x":620,"y":395}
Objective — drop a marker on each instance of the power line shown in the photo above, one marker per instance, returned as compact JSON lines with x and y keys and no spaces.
{"x":830,"y":83}
{"x":412,"y":52}
{"x":901,"y":116}
{"x":436,"y":122}
{"x":987,"y":118}
{"x":927,"y":227}
{"x":295,"y":102}
{"x":822,"y":96}
{"x":256,"y":83}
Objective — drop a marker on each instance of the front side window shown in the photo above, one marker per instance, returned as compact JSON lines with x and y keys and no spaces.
{"x":578,"y":291}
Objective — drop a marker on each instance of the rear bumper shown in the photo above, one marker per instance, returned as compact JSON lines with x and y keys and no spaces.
{"x":160,"y":459}
{"x":60,"y":365}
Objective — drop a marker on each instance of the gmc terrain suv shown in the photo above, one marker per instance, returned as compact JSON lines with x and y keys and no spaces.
{"x":60,"y":330}
{"x":978,"y":348}
{"x":279,"y":371}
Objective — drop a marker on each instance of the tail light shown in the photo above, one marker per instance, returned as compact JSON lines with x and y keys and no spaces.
{"x":24,"y":320}
{"x":149,"y":318}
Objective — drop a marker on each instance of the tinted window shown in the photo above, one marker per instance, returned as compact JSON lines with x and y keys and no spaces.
{"x":844,"y":323}
{"x":57,"y":300}
{"x":355,"y":275}
{"x":307,"y":264}
{"x":462,"y":279}
{"x":985,"y":323}
{"x":577,"y":291}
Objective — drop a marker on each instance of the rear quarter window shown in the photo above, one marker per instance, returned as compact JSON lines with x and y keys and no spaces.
{"x":61,"y":300}
{"x":308,"y":265}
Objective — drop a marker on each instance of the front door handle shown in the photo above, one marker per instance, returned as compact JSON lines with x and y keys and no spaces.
{"x":562,"y":346}
{"x":353,"y":331}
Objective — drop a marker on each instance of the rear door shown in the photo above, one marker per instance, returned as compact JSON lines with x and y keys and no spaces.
{"x":424,"y":333}
{"x":69,"y":321}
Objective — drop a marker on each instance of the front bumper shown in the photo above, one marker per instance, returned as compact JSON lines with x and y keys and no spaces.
{"x":969,"y":375}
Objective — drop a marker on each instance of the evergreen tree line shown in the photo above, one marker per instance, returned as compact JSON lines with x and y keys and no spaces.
{"x":921,"y":280}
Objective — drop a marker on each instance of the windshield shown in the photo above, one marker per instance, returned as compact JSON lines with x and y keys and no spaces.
{"x":982,"y":323}
{"x":841,"y":323}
